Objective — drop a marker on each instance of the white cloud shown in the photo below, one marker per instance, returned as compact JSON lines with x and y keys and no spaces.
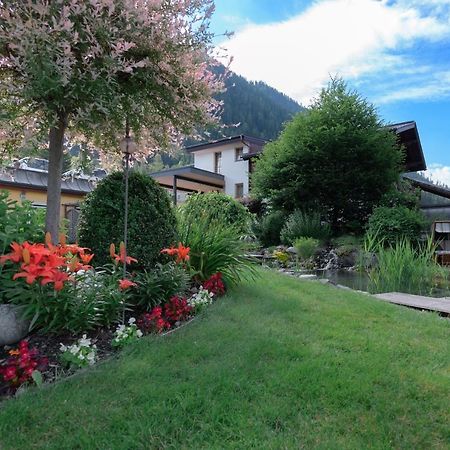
{"x":436,"y":86}
{"x":345,"y":37}
{"x":438,"y":172}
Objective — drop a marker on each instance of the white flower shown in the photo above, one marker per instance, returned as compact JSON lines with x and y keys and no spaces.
{"x":81,"y":356}
{"x":84,"y":342}
{"x":62,"y":347}
{"x":131,"y":320}
{"x":139,"y":333}
{"x":91,"y":358}
{"x":74,"y":349}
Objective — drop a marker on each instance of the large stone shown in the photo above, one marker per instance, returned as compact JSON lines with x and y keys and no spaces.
{"x":12,"y":327}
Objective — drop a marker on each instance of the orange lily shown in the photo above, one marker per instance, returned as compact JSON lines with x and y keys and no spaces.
{"x":125,"y":284}
{"x":56,"y":277}
{"x":123,"y":254}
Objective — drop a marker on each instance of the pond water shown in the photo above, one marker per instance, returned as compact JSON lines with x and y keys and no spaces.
{"x":358,"y":281}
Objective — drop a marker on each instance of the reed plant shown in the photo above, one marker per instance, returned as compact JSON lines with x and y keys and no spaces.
{"x":216,"y":247}
{"x":304,"y":224}
{"x":404,"y":267}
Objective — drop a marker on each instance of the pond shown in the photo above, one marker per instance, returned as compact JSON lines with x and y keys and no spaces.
{"x":358,"y":281}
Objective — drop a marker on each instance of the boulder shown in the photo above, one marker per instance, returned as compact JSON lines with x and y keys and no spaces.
{"x":12,"y":327}
{"x":291,"y":250}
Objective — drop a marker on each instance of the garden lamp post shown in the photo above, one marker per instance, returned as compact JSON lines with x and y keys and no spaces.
{"x":127,"y":146}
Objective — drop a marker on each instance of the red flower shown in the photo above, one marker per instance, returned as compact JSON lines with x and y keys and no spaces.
{"x":153,"y":321}
{"x":177,"y":309}
{"x":125,"y":284}
{"x":19,"y":367}
{"x":215,"y":284}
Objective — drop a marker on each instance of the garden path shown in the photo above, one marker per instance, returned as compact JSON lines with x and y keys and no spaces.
{"x":441,"y":305}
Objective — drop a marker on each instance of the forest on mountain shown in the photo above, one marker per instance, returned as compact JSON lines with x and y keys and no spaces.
{"x":249,"y":107}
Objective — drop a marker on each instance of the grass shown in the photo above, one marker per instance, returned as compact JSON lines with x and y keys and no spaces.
{"x":277,"y":364}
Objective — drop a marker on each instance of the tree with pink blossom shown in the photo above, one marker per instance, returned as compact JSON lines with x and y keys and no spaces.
{"x":90,"y":66}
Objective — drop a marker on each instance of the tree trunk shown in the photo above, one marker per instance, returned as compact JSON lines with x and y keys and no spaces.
{"x":55,"y":165}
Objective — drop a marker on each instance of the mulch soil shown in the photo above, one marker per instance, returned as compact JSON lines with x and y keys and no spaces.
{"x":49,"y":345}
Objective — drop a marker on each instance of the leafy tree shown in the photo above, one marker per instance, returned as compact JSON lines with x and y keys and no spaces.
{"x":91,"y":65}
{"x":336,"y":158}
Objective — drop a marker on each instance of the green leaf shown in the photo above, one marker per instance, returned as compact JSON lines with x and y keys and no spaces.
{"x":37,"y":378}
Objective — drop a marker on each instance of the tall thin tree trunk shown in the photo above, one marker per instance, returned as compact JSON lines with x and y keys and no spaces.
{"x":55,"y":165}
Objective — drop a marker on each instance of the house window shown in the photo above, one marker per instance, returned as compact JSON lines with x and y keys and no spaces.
{"x":238,"y":153}
{"x":217,"y":162}
{"x":239,"y":190}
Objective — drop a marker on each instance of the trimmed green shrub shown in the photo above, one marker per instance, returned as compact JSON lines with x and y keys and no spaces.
{"x":151,"y":220}
{"x":302,"y":224}
{"x":306,"y":247}
{"x":158,"y":285}
{"x":268,"y":228}
{"x":217,"y":207}
{"x":393,"y":224}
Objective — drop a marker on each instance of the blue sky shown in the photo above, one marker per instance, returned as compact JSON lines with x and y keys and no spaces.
{"x":394,"y":52}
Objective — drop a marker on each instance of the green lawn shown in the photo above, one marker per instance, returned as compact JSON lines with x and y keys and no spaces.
{"x":278,"y":363}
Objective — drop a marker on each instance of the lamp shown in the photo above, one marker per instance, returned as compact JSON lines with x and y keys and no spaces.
{"x":127,"y":145}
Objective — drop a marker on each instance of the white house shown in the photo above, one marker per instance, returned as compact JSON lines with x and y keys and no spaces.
{"x":224,"y":165}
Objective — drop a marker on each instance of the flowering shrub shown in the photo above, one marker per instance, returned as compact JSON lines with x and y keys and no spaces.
{"x":22,"y":366}
{"x":153,"y":322}
{"x":81,"y":298}
{"x":163,"y":318}
{"x":47,"y":263}
{"x":215,"y":284}
{"x":177,"y":309}
{"x":159,"y":284}
{"x":201,"y":299}
{"x":125,"y":335}
{"x":81,"y":354}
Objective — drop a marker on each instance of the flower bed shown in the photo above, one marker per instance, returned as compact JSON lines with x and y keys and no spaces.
{"x":95,"y":305}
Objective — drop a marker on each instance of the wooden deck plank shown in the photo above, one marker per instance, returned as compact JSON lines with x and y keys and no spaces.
{"x":441,"y":305}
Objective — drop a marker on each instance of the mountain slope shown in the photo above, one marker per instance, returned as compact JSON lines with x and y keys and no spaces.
{"x":260,"y":109}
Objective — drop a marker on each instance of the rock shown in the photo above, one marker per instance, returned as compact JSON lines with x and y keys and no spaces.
{"x":12,"y":327}
{"x":307,"y":276}
{"x":348,"y":260}
{"x":291,"y":250}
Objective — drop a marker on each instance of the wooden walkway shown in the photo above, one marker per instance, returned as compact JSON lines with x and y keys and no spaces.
{"x":440,"y":305}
